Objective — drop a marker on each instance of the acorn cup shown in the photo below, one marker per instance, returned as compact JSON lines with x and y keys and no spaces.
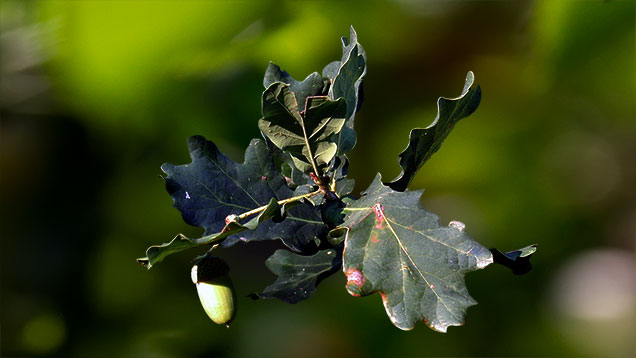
{"x":216,"y":291}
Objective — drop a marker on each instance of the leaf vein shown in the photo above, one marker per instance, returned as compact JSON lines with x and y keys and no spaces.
{"x":419,"y":271}
{"x":430,"y":238}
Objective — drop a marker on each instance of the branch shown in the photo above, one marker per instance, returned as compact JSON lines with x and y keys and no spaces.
{"x":262,"y":208}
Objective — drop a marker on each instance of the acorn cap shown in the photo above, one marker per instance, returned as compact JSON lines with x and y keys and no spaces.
{"x":209,"y":268}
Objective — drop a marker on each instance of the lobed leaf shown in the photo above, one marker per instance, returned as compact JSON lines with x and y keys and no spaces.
{"x":346,"y":77}
{"x":313,"y":85}
{"x":285,"y":165}
{"x":299,"y":275}
{"x":305,"y":136}
{"x":156,"y":253}
{"x":424,"y":142}
{"x":212,"y":187}
{"x":395,"y":247}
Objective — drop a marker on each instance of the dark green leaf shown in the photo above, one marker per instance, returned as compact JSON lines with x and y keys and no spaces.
{"x":331,"y":70}
{"x":293,"y":176}
{"x":332,"y":213}
{"x":313,"y":85}
{"x":395,"y":247}
{"x":424,"y":142}
{"x":349,"y":78}
{"x":346,"y":76}
{"x":518,"y":260}
{"x":297,"y":133}
{"x":157,"y":253}
{"x":298,"y":275}
{"x":344,"y":185}
{"x":336,"y":236}
{"x":315,"y":200}
{"x":212,"y":187}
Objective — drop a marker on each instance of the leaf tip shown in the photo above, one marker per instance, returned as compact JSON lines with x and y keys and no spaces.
{"x":528,"y":250}
{"x":470,"y":76}
{"x":145,"y":262}
{"x":468,"y":84}
{"x":518,"y":261}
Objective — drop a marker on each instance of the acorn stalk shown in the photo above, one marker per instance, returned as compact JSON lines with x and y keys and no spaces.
{"x":216,"y":291}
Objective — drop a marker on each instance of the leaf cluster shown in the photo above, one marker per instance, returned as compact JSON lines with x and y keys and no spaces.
{"x":293,"y":186}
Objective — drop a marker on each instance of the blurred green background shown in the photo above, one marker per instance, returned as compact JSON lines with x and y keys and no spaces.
{"x":96,"y":95}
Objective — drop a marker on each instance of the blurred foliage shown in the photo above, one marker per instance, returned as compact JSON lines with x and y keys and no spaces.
{"x":96,"y":95}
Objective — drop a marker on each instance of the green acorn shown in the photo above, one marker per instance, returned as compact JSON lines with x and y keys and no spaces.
{"x":215,"y":289}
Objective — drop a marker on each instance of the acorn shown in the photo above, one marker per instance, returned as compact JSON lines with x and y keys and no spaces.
{"x":216,"y":291}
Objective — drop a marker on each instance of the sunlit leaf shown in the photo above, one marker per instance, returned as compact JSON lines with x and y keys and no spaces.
{"x":395,"y":247}
{"x":313,"y":85}
{"x":306,"y":136}
{"x":346,"y":76}
{"x":424,"y":142}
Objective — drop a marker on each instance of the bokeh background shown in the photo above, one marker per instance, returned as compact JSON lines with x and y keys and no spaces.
{"x":96,"y":95}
